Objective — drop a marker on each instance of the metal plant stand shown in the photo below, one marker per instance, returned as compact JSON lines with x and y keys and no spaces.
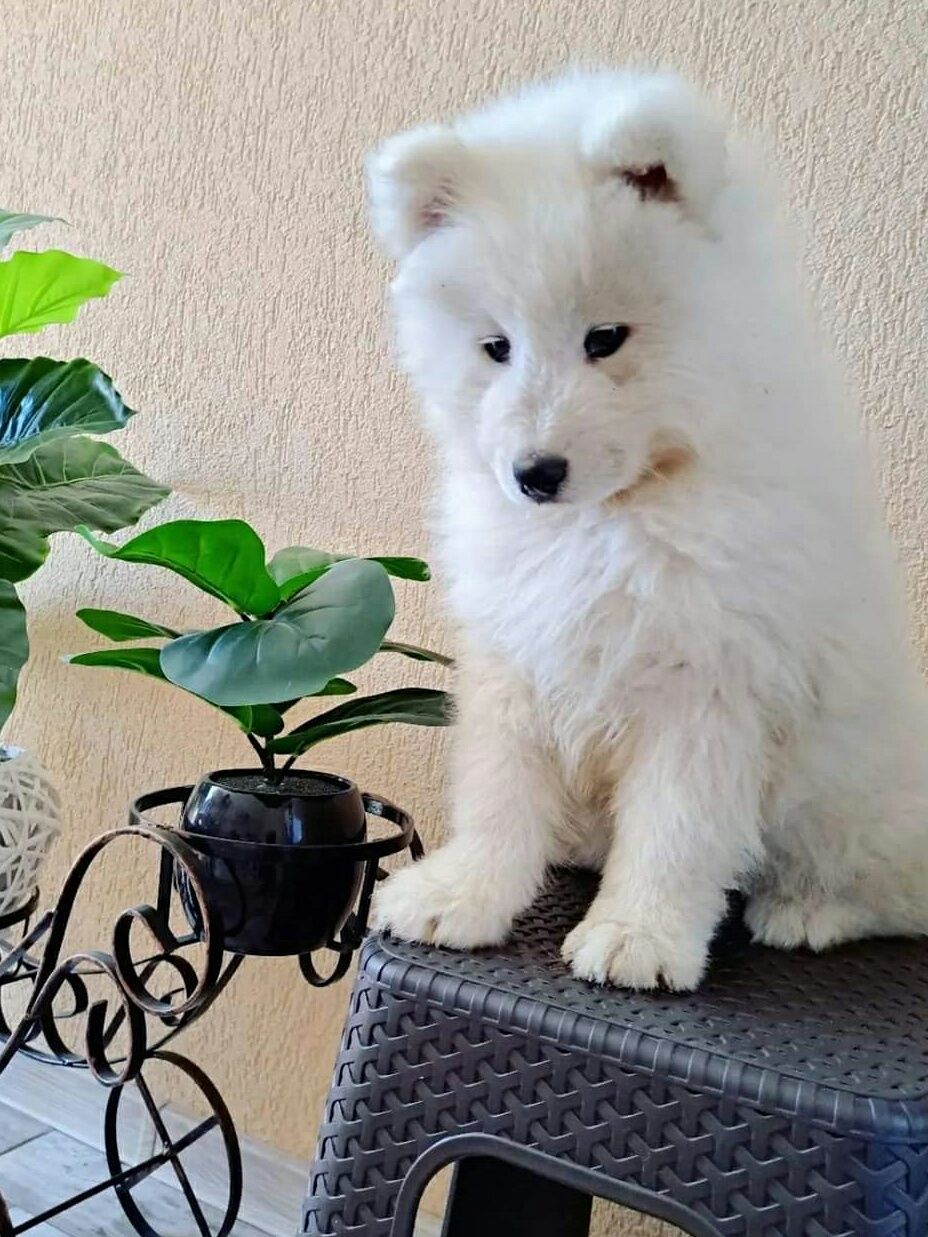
{"x":150,"y":1000}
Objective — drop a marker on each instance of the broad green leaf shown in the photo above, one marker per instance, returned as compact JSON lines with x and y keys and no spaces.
{"x":337,"y":687}
{"x":260,"y":720}
{"x":415,"y":652}
{"x":75,"y":481}
{"x":334,"y":625}
{"x":14,"y":646}
{"x":118,"y":626}
{"x":142,"y":661}
{"x":221,"y":557}
{"x":12,"y":221}
{"x":296,"y":559}
{"x":23,"y":550}
{"x":405,"y":568}
{"x":416,"y":706}
{"x":39,"y":288}
{"x":297,"y":566}
{"x":42,"y":399}
{"x":69,"y":482}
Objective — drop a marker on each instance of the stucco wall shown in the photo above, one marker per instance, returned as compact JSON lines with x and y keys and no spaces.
{"x":212,"y":150}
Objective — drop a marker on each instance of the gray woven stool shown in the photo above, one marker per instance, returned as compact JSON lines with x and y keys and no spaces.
{"x":787,"y":1098}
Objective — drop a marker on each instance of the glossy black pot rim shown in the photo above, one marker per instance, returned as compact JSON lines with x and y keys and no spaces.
{"x":339,"y":785}
{"x":383,"y":809}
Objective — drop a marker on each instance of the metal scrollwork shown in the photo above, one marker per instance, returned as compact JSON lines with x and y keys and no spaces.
{"x":148,"y":1001}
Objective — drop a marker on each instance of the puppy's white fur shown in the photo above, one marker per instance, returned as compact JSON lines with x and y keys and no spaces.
{"x":695,"y":676}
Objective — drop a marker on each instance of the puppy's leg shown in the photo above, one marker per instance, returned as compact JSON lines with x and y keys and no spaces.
{"x":506,"y":799}
{"x":686,"y":821}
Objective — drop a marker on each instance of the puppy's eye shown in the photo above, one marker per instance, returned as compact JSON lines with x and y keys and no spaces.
{"x":602,"y":341}
{"x":497,"y":348}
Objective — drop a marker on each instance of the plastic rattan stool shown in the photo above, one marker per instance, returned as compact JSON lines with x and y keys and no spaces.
{"x":787,"y":1098}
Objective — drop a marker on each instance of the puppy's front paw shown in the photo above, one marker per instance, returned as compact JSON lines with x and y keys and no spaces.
{"x":632,"y":956}
{"x":432,"y":902}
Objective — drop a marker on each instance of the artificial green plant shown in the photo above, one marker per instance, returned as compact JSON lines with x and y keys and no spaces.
{"x":302,"y":620}
{"x":53,"y":475}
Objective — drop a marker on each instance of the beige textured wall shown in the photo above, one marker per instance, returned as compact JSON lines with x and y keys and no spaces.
{"x":212,"y":149}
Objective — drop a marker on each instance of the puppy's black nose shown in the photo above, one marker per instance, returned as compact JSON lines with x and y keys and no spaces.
{"x":540,"y":477}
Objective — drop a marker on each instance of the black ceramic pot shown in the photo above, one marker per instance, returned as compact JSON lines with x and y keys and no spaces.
{"x":280,"y":863}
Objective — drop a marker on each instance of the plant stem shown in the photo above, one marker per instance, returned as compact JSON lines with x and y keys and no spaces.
{"x":265,"y":755}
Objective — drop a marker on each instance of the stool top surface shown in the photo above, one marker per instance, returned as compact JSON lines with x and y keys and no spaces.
{"x":854,"y":1019}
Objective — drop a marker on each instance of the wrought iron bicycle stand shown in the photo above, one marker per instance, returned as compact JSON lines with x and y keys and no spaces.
{"x":151,"y":999}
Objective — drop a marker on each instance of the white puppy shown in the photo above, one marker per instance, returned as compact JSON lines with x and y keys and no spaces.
{"x":686,"y":659}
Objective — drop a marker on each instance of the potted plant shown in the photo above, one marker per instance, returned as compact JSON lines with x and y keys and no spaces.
{"x":53,"y":476}
{"x":282,"y":849}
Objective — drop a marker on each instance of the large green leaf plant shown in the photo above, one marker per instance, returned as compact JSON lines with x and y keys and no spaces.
{"x":53,"y":475}
{"x":301,"y":620}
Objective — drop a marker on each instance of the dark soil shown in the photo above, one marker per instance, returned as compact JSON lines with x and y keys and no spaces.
{"x":305,"y":784}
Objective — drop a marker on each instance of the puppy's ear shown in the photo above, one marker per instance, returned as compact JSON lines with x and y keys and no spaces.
{"x":414,"y":184}
{"x":663,"y":140}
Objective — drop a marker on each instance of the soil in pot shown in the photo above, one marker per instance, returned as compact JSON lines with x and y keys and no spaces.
{"x":311,"y":784}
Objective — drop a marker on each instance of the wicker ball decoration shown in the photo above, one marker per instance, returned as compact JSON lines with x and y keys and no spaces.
{"x":29,"y":822}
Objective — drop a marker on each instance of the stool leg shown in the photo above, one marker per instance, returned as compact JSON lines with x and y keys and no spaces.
{"x":496,"y":1199}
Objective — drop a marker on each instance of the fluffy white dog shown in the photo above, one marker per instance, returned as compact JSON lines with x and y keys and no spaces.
{"x":686,"y":660}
